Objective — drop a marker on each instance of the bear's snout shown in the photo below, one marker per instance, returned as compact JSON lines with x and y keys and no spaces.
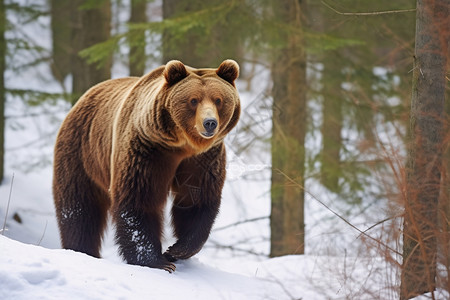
{"x":210,"y":124}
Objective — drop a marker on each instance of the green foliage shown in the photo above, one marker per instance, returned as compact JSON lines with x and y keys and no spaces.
{"x":36,"y":98}
{"x":28,"y":13}
{"x":200,"y":23}
{"x":318,"y":43}
{"x":23,"y":51}
{"x":91,"y":4}
{"x":351,"y":49}
{"x":100,"y":53}
{"x":241,"y":22}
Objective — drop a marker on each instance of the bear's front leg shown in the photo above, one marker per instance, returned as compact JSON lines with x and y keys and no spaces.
{"x":192,"y":227}
{"x":138,"y":237}
{"x":139,"y":191}
{"x":197,"y":187}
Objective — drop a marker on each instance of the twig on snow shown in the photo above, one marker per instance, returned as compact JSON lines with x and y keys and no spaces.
{"x":7,"y":206}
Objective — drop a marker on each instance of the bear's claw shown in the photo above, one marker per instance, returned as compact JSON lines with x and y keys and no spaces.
{"x":169,"y":268}
{"x":164,"y":265}
{"x":160,"y":263}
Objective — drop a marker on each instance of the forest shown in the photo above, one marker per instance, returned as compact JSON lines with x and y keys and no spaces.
{"x":341,"y":152}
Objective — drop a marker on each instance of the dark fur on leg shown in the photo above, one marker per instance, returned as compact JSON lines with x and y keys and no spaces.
{"x":138,"y":237}
{"x":140,"y":193}
{"x":82,"y":216}
{"x":198,"y":187}
{"x":192,"y":225}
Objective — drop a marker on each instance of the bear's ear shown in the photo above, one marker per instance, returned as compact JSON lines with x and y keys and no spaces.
{"x":174,"y":72}
{"x":228,"y":70}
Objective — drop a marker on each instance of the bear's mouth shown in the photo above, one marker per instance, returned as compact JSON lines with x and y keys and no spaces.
{"x":207,"y":134}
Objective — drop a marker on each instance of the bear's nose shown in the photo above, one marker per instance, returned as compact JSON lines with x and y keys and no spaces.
{"x":210,"y":124}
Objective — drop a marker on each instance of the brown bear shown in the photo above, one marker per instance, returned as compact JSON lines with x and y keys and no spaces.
{"x":127,"y":143}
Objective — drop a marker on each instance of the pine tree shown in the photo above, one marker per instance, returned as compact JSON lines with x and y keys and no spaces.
{"x":137,"y":55}
{"x":60,"y":12}
{"x":2,"y":86}
{"x":288,"y":132}
{"x":90,"y":24}
{"x":332,"y":122}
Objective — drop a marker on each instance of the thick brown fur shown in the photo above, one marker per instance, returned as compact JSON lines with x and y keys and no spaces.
{"x":128,"y":142}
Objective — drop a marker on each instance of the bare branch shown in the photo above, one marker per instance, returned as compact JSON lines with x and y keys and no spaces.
{"x":214,"y":244}
{"x":374,"y":13}
{"x":378,"y":223}
{"x":43,"y":233}
{"x":363,"y":233}
{"x":241,"y":222}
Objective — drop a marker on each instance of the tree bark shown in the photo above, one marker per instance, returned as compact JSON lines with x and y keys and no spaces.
{"x":332,"y":123}
{"x":137,"y":49}
{"x":197,"y":47}
{"x":288,"y":132}
{"x":175,"y":47}
{"x":427,"y":130}
{"x":2,"y":87}
{"x":444,"y":203}
{"x":445,"y":195}
{"x":89,"y":27}
{"x":61,"y":36}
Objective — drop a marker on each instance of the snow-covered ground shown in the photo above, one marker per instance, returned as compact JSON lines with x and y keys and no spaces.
{"x":34,"y":272}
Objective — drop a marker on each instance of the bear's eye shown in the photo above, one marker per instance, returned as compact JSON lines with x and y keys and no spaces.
{"x":218,"y":101}
{"x":194,"y":102}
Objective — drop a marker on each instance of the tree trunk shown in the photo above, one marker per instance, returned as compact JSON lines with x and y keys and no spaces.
{"x":427,"y":129}
{"x":90,"y":25}
{"x":197,"y":47}
{"x":2,"y":87}
{"x":176,"y":47}
{"x":137,"y":49}
{"x":444,"y":204}
{"x":332,"y":123}
{"x":61,"y":36}
{"x":445,"y":197}
{"x":288,"y":133}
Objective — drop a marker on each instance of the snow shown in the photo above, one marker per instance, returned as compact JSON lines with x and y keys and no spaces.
{"x":34,"y":272}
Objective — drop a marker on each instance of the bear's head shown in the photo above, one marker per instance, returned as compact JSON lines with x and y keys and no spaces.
{"x":203,"y":104}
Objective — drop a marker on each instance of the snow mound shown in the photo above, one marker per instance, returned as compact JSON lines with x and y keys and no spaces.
{"x":34,"y":272}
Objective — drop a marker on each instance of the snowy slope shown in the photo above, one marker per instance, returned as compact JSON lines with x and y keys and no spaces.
{"x":33,"y":272}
